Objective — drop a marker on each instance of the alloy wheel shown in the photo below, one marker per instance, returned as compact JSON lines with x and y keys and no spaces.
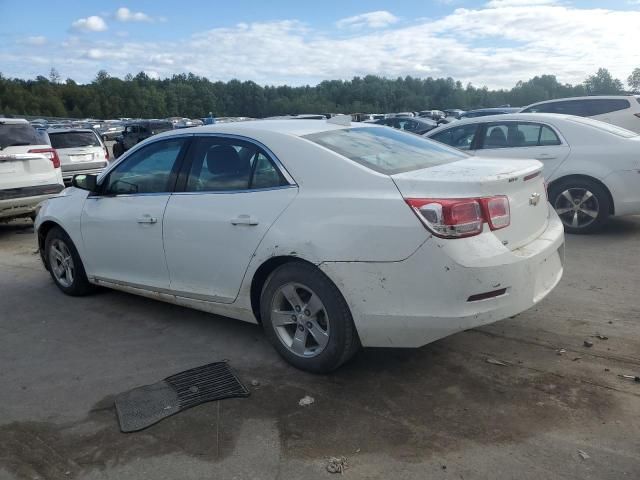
{"x":300,"y":320}
{"x":61,"y":263}
{"x":577,"y":207}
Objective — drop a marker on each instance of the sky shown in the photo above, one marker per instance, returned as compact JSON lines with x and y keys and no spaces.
{"x":492,"y":43}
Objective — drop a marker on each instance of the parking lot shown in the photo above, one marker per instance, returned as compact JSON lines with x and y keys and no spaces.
{"x":442,"y":411}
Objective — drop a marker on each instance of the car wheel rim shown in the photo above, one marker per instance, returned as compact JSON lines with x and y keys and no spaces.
{"x":577,"y":207}
{"x":61,"y":263}
{"x":300,"y":320}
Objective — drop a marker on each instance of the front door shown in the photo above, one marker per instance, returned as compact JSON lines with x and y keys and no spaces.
{"x":122,"y":225}
{"x":232,"y":193}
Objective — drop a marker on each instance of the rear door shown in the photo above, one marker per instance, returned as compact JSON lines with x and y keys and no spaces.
{"x":233,"y":191}
{"x":122,"y":225}
{"x":523,"y":140}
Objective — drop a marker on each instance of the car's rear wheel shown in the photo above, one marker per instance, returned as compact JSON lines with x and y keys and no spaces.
{"x":307,"y":319}
{"x":582,"y":204}
{"x":65,"y":265}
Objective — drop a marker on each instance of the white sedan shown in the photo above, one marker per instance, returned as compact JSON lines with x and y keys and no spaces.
{"x":331,"y":235}
{"x":592,"y":168}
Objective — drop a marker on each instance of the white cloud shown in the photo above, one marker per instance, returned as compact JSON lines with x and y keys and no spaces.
{"x":377,"y":19}
{"x":123,"y":14}
{"x":486,"y":46}
{"x":37,"y":40}
{"x":518,"y":3}
{"x":93,"y":23}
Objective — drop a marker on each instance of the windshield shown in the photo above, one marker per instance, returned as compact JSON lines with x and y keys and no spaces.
{"x":74,"y":140}
{"x":386,"y":150}
{"x":16,"y":134}
{"x":607,"y":127}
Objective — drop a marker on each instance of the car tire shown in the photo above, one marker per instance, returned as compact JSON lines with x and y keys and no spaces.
{"x":64,"y":264}
{"x":579,"y":214}
{"x":117,"y":150}
{"x":330,"y":321}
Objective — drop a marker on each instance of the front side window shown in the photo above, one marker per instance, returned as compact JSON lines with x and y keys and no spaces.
{"x":148,"y":170}
{"x":227,"y":165}
{"x":458,"y":137}
{"x":386,"y":150}
{"x":516,"y":135}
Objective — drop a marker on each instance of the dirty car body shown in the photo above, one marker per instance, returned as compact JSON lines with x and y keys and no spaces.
{"x":416,"y":239}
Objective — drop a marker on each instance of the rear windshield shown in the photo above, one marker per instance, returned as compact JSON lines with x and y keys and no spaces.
{"x":607,"y":127}
{"x":386,"y":150}
{"x":74,"y":139}
{"x":16,"y":134}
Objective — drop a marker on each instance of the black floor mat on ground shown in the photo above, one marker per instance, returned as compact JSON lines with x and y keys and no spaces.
{"x":143,"y":406}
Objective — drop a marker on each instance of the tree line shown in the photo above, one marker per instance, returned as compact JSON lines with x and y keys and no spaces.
{"x":194,"y":96}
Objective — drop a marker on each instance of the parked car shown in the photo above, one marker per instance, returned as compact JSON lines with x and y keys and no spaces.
{"x":432,"y":114}
{"x":592,"y":168}
{"x":416,"y":125}
{"x":485,"y":112}
{"x":623,"y":111}
{"x":135,"y":132}
{"x":454,"y":113}
{"x":331,"y":235}
{"x":80,"y":151}
{"x":29,"y":170}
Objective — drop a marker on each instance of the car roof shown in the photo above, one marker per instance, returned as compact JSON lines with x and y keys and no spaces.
{"x":510,"y":117}
{"x":69,"y":130}
{"x":296,"y":128}
{"x":588,"y":97}
{"x":13,"y":121}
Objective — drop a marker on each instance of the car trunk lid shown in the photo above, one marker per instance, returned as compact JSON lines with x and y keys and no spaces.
{"x":521,"y":181}
{"x":81,"y":158}
{"x":26,"y":170}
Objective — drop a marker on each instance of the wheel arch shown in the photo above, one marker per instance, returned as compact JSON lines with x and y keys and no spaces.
{"x":43,"y":230}
{"x":262,"y":274}
{"x":591,"y":179}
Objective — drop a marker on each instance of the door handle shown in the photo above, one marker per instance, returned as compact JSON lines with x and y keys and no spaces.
{"x":244,"y":220}
{"x":147,"y":219}
{"x":545,"y":156}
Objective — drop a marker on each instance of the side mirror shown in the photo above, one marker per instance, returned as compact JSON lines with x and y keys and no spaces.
{"x":85,"y":182}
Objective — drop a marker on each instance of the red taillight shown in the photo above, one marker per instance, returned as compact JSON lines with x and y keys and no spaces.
{"x":50,"y":153}
{"x":461,"y":217}
{"x":106,"y":153}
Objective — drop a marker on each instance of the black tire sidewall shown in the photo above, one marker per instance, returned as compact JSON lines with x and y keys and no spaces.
{"x":80,"y":285}
{"x":342,"y":331}
{"x":597,"y":190}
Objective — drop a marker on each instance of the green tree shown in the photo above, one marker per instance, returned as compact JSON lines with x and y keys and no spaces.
{"x":603,"y":83}
{"x":634,"y":80}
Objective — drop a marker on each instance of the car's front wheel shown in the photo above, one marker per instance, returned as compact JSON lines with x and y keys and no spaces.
{"x":306,"y":318}
{"x":64,"y":264}
{"x":582,"y":204}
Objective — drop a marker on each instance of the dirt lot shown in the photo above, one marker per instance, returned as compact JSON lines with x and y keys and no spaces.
{"x":439,"y":412}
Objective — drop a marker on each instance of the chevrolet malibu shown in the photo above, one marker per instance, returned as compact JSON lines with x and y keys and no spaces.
{"x":331,"y":235}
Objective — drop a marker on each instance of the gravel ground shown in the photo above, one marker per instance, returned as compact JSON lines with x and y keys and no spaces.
{"x":441,"y":411}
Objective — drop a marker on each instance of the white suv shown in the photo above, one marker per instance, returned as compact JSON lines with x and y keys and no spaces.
{"x":623,"y":111}
{"x":29,"y":170}
{"x":81,"y":151}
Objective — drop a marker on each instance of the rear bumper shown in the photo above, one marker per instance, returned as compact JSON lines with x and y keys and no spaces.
{"x":426,"y":297}
{"x":18,"y":202}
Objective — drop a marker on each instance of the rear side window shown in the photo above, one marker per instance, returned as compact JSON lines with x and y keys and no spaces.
{"x":515,"y":135}
{"x":17,"y":134}
{"x":459,"y":137}
{"x":602,"y":106}
{"x":74,"y":139}
{"x":386,"y":150}
{"x":227,"y":165}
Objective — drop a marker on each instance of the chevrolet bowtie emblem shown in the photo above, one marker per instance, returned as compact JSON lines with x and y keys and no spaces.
{"x":534,"y":199}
